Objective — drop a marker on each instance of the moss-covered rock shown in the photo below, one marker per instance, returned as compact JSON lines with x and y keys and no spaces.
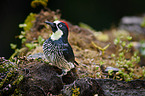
{"x":9,"y":77}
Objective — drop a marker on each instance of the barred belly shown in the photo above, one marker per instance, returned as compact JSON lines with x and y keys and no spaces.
{"x":54,"y":54}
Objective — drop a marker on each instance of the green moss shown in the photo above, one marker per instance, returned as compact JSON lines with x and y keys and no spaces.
{"x":9,"y":77}
{"x":36,"y":3}
{"x":29,"y":21}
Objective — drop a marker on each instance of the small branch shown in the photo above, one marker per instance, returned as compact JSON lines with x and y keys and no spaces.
{"x":101,"y":49}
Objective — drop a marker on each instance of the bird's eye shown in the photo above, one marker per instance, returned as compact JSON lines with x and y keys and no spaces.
{"x":60,"y":25}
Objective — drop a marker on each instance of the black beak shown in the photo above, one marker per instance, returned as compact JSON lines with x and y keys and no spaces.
{"x":50,"y":23}
{"x":53,"y":25}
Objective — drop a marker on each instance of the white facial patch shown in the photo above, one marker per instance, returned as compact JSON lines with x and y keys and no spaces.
{"x":56,"y":22}
{"x":58,"y":33}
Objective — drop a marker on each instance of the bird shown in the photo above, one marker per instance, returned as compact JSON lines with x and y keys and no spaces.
{"x":57,"y":49}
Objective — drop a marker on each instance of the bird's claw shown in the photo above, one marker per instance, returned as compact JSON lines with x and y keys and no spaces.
{"x":59,"y":75}
{"x":63,"y":73}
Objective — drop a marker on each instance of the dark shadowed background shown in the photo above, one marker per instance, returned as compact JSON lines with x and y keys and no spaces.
{"x":100,"y":14}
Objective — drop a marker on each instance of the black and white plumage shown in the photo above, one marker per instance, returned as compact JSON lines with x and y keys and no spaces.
{"x":57,"y":49}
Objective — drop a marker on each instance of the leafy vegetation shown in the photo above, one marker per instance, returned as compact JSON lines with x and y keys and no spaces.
{"x":126,"y":65}
{"x":88,"y":47}
{"x":142,"y":49}
{"x":76,"y":91}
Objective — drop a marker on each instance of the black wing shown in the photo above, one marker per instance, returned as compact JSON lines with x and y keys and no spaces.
{"x":68,"y":53}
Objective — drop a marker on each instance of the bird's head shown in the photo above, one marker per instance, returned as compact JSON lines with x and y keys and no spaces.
{"x":59,"y":28}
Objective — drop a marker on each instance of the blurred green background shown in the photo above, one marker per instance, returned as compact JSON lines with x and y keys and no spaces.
{"x":100,"y":14}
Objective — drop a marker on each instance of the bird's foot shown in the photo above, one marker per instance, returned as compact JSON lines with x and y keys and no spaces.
{"x":59,"y":75}
{"x":63,"y":73}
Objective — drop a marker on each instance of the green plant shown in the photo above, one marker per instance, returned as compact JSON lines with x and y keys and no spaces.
{"x":143,"y":23}
{"x":125,"y":62}
{"x":27,"y":25}
{"x":110,"y":72}
{"x":40,"y":40}
{"x":142,"y":48}
{"x":14,"y":47}
{"x":76,"y":91}
{"x":83,"y":25}
{"x":17,"y":50}
{"x":32,"y":45}
{"x":100,"y":48}
{"x":22,"y":36}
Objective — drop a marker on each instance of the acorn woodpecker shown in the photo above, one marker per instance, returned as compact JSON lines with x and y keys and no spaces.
{"x":57,"y":49}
